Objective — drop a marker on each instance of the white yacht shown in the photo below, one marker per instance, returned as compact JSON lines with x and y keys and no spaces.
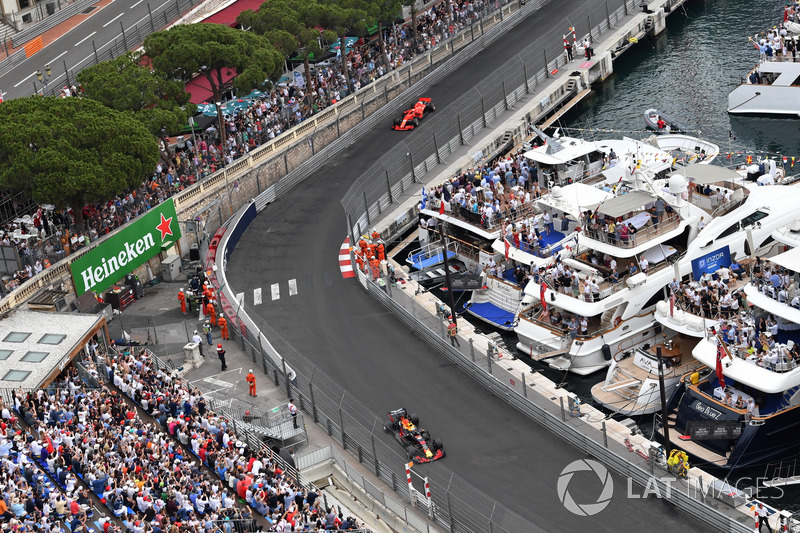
{"x":699,"y":230}
{"x":770,"y":89}
{"x":631,"y":386}
{"x":753,"y":435}
{"x":579,"y":174}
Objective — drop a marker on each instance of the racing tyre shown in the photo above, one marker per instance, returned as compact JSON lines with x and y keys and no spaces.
{"x":432,"y":107}
{"x":437,"y":444}
{"x":415,"y":122}
{"x":397,"y":121}
{"x":414,"y":419}
{"x":386,"y":428}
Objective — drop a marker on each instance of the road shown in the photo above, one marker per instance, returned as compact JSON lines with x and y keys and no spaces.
{"x":76,"y":47}
{"x":351,"y":338}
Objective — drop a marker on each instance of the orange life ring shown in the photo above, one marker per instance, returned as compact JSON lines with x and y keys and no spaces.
{"x":617,"y":321}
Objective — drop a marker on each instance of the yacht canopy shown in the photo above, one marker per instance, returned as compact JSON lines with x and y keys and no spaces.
{"x":702,"y":174}
{"x":561,"y":157}
{"x":624,"y":204}
{"x":789,"y":260}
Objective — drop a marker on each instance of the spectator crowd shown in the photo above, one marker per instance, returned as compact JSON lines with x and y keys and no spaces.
{"x":188,"y":472}
{"x":46,"y":236}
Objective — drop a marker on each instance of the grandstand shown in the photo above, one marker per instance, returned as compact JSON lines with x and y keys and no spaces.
{"x":115,"y":442}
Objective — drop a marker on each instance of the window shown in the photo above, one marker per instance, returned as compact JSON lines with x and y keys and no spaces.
{"x":16,"y":375}
{"x":4,"y":354}
{"x":17,"y":336}
{"x":34,"y":357}
{"x":730,"y":231}
{"x":52,"y":338}
{"x":752,"y":219}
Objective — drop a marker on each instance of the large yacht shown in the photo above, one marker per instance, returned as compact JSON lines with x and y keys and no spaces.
{"x":761,"y":429}
{"x":696,"y":228}
{"x":772,"y":88}
{"x":576,"y":174}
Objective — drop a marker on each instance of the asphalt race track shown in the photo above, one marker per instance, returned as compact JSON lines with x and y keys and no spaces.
{"x":349,"y":336}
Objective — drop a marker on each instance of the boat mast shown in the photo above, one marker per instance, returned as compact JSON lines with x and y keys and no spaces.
{"x":664,"y":420}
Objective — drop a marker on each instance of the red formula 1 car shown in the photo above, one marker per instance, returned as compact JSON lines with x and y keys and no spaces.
{"x":411,"y":117}
{"x":417,"y":442}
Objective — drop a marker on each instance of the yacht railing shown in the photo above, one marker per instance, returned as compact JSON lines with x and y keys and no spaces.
{"x":700,"y":200}
{"x":647,"y":233}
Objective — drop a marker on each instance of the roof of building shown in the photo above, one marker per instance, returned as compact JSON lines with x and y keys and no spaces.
{"x":36,"y":346}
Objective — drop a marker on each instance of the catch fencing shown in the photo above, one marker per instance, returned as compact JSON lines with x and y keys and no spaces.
{"x":452,"y":127}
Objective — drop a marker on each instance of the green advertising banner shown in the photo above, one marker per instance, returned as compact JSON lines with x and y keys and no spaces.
{"x":143,"y":238}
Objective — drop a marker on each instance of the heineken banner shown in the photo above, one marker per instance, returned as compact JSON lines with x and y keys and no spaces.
{"x":131,"y":247}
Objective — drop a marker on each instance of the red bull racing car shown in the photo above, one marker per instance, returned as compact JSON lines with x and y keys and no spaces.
{"x":417,"y":442}
{"x":411,"y":117}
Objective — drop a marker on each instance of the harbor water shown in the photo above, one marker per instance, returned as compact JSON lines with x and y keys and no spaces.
{"x":687,"y":73}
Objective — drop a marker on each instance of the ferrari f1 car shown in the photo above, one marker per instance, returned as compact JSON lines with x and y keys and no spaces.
{"x":411,"y":117}
{"x":417,"y":442}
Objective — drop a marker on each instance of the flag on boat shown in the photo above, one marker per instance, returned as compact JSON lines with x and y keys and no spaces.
{"x":508,"y":246}
{"x":441,"y":207}
{"x":720,"y":355}
{"x":424,"y":201}
{"x":542,"y":289}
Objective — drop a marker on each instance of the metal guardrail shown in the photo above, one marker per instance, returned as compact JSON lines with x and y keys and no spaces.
{"x":49,"y":22}
{"x":324,"y":144}
{"x":128,"y":39}
{"x":450,"y":128}
{"x":513,"y":390}
{"x":12,"y":61}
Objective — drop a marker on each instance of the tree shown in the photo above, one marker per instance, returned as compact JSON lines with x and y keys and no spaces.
{"x":413,"y":5}
{"x":214,"y":50}
{"x":388,"y":11}
{"x":343,"y":17}
{"x":290,"y":21}
{"x":126,"y":83}
{"x":70,"y":151}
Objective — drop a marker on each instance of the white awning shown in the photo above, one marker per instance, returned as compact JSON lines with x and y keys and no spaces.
{"x":702,"y":174}
{"x":624,"y":204}
{"x":789,"y":260}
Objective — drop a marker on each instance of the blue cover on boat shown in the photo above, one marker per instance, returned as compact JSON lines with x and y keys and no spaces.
{"x":491,"y":313}
{"x":421,"y":261}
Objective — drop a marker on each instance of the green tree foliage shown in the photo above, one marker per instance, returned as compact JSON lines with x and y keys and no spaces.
{"x":387,"y":12}
{"x":181,"y":51}
{"x":343,"y":17}
{"x":127,"y":84}
{"x":290,"y":26}
{"x":69,"y":151}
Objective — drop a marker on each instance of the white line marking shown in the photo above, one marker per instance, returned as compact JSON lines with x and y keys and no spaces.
{"x":84,"y":39}
{"x":112,"y":20}
{"x":26,"y":79}
{"x":137,"y":3}
{"x":276,"y":291}
{"x":54,"y":59}
{"x":239,"y":370}
{"x":257,"y":296}
{"x":292,"y":287}
{"x":219,"y":382}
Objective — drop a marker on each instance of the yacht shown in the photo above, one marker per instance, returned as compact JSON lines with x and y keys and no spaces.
{"x":578,"y":173}
{"x":764,"y":433}
{"x":632,"y":386}
{"x":772,"y":88}
{"x":696,"y":229}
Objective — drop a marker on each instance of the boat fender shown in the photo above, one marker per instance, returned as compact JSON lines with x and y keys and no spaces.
{"x":617,"y":321}
{"x":606,"y":352}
